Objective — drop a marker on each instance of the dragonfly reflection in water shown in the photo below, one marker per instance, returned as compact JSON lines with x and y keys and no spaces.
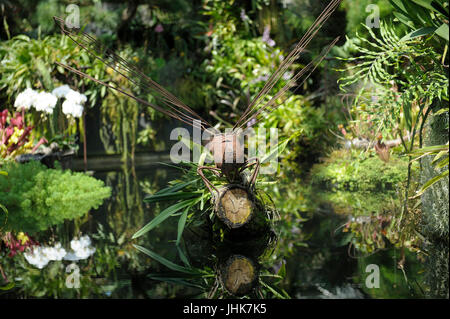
{"x":224,"y":267}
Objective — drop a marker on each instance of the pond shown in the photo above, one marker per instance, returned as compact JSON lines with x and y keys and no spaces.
{"x":310,"y":253}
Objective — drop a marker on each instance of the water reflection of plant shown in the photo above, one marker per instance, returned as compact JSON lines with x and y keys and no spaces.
{"x":98,"y":271}
{"x":401,"y":274}
{"x":194,"y":210}
{"x":206,"y":274}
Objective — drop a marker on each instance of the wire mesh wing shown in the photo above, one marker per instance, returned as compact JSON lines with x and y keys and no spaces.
{"x":168,"y":103}
{"x":253,"y":109}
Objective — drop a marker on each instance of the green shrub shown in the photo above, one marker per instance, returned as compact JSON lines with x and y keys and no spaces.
{"x":38,"y":197}
{"x":345,"y":172}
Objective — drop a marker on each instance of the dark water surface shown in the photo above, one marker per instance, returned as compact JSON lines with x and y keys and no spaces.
{"x":313,"y":255}
{"x":319,"y":267}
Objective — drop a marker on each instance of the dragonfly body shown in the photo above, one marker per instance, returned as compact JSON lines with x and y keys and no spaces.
{"x":227,"y":150}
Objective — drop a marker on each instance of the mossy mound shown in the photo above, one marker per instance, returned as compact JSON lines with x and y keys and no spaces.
{"x":344,"y":171}
{"x":37,"y":197}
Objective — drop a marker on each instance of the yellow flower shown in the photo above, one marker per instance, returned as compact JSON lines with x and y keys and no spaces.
{"x":15,"y":137}
{"x":23,"y":238}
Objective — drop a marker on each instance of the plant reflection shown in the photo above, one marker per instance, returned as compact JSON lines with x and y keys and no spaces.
{"x":303,"y":255}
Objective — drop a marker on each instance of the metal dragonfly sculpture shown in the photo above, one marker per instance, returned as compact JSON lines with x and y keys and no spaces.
{"x":222,"y":145}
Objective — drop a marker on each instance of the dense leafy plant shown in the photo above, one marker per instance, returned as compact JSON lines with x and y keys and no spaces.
{"x":403,"y":81}
{"x":343,"y":171}
{"x":427,"y":17}
{"x":355,"y":18}
{"x":297,"y":116}
{"x":29,"y":63}
{"x":37,"y":197}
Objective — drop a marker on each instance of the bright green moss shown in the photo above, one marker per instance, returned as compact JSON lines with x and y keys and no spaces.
{"x":342,"y":171}
{"x":37,"y":197}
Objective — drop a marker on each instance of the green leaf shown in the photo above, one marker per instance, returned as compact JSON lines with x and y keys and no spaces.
{"x":419,"y":33}
{"x":442,"y":111}
{"x":181,"y":224}
{"x":439,"y":155}
{"x":8,"y":286}
{"x":3,"y":173}
{"x":282,"y":271}
{"x":164,"y":261}
{"x":22,"y":37}
{"x":169,"y":211}
{"x":183,"y":257}
{"x":275,"y":293}
{"x":404,"y":19}
{"x":431,"y":182}
{"x":399,"y":5}
{"x":442,"y":163}
{"x":177,"y":281}
{"x":279,"y":148}
{"x":170,"y":196}
{"x":442,"y":31}
{"x":430,"y":149}
{"x":44,"y":71}
{"x":425,"y":4}
{"x":175,"y":187}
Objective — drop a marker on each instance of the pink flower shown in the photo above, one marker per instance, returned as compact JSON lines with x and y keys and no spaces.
{"x":159,"y":28}
{"x":41,"y":141}
{"x":3,"y":116}
{"x":17,"y":121}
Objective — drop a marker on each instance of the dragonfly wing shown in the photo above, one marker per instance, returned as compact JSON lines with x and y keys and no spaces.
{"x":287,"y":62}
{"x":297,"y":80}
{"x":170,"y":105}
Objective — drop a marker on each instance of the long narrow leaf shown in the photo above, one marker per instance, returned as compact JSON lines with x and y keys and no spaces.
{"x":279,"y":148}
{"x":177,"y":281}
{"x":169,"y":211}
{"x":170,"y":196}
{"x":175,"y":188}
{"x":442,"y":163}
{"x":164,"y":261}
{"x":419,"y":33}
{"x":183,"y":257}
{"x":430,"y":183}
{"x":181,"y":224}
